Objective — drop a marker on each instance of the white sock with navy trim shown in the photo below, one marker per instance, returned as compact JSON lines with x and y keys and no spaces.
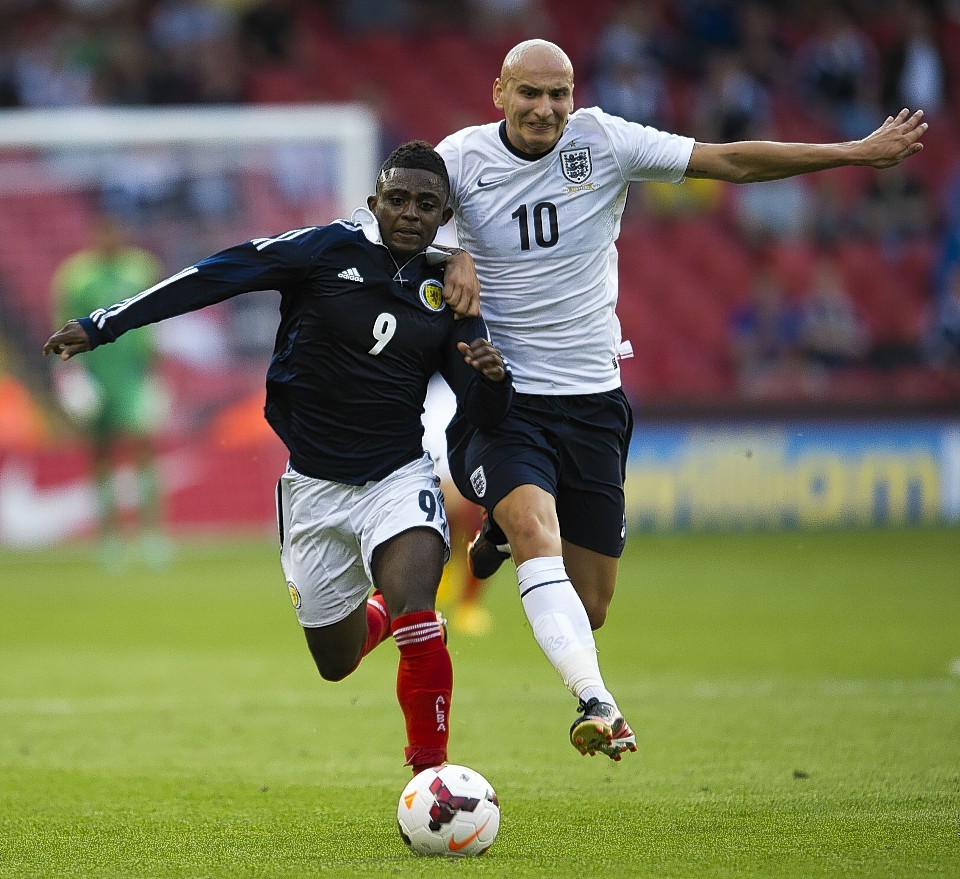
{"x":561,"y":626}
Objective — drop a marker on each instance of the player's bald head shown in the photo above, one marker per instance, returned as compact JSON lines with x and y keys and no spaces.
{"x":535,"y":55}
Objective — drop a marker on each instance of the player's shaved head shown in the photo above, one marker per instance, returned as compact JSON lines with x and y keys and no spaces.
{"x":535,"y":93}
{"x":535,"y":55}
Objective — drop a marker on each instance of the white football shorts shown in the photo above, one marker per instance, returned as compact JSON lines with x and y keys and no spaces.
{"x":329,"y":531}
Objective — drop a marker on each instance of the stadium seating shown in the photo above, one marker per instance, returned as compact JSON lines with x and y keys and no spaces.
{"x":680,"y":276}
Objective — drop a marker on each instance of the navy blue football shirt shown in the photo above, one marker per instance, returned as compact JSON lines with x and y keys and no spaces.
{"x":359,"y":338}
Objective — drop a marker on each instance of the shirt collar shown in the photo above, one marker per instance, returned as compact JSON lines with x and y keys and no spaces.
{"x":364,"y":218}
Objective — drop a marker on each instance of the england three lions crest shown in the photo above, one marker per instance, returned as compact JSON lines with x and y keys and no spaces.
{"x":577,"y":166}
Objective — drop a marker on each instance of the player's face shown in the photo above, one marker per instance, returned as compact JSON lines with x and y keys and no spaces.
{"x":410,"y":205}
{"x":536,"y":98}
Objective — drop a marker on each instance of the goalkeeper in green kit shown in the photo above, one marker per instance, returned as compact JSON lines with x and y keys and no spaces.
{"x":113,"y":396}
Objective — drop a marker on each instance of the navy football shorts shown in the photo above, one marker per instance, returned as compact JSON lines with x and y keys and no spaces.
{"x":574,"y":447}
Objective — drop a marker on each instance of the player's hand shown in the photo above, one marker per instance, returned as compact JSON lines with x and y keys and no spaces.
{"x":70,"y":340}
{"x":483,"y":357}
{"x":895,"y":140}
{"x":461,"y":286}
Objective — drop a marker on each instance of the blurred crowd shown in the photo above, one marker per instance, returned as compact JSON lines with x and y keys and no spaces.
{"x":847,"y":60}
{"x":719,"y":70}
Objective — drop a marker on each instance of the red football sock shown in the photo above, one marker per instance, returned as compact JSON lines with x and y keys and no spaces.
{"x":378,"y":622}
{"x":424,"y":687}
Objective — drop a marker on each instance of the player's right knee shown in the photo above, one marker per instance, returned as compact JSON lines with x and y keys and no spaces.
{"x":533,"y":535}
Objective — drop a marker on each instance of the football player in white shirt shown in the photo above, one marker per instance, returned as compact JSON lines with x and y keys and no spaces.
{"x":538,"y":199}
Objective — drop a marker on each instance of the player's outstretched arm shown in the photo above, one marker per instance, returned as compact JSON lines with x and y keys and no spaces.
{"x":485,"y":358}
{"x":71,"y":339}
{"x":751,"y":161}
{"x":461,"y":287}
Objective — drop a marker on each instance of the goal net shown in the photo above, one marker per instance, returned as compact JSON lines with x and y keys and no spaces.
{"x":184,"y":183}
{"x":187,"y":181}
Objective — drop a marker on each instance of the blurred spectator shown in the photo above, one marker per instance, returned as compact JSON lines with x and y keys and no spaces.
{"x":832,"y":332}
{"x":775,"y":209}
{"x":943,"y":337}
{"x":914,"y":73}
{"x":707,"y":26}
{"x":9,"y":96}
{"x":360,"y":16}
{"x":632,"y":34}
{"x":508,"y":20}
{"x":422,"y":17}
{"x":49,"y":70}
{"x":763,"y":51}
{"x":948,"y":32}
{"x":629,"y":79}
{"x":636,"y":91}
{"x":838,"y":70}
{"x":123,"y":73}
{"x":950,"y":233}
{"x":268,"y":31}
{"x":765,"y":335}
{"x":113,"y":395}
{"x":436,"y":16}
{"x":895,"y":208}
{"x":184,"y":26}
{"x":219,"y":74}
{"x":196,"y":53}
{"x":731,"y":103}
{"x":835,"y":215}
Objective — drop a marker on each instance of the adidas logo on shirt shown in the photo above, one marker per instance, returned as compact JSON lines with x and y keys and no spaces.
{"x":351,"y":274}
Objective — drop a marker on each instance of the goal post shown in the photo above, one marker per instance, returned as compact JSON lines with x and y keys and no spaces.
{"x":187,"y":180}
{"x":351,"y":129}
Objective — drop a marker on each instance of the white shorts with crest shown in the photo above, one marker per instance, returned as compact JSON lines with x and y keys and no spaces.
{"x":329,"y":531}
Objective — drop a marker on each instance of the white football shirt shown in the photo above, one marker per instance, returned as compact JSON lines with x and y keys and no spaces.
{"x":542,"y":233}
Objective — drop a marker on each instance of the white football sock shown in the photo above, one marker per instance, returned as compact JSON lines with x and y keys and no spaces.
{"x":561,"y":626}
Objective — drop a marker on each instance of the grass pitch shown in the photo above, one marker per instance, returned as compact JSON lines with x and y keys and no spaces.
{"x":796,"y":699}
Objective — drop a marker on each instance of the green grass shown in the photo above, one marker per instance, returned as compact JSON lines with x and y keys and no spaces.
{"x":796,"y":699}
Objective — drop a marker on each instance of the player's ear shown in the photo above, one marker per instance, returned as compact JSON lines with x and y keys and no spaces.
{"x":372,"y":203}
{"x":498,"y":94}
{"x":446,"y":215}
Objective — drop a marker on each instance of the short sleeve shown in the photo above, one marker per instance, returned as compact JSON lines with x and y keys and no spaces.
{"x":645,"y":153}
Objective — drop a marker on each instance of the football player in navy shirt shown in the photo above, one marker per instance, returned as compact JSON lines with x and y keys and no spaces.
{"x":363,"y":327}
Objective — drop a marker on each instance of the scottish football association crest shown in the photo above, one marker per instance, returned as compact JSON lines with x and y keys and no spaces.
{"x":576,"y":164}
{"x":431,"y":294}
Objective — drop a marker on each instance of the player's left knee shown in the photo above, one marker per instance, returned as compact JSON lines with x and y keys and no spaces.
{"x":335,"y":669}
{"x":332,"y":664}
